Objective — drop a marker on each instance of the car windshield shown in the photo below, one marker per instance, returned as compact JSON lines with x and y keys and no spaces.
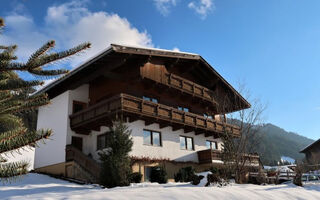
{"x":313,"y":178}
{"x":304,"y":178}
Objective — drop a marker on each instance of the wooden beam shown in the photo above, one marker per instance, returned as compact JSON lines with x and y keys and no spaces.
{"x":176,"y":127}
{"x":188,"y":129}
{"x":163,"y":125}
{"x":208,"y":134}
{"x":132,"y":119}
{"x":148,"y":122}
{"x":198,"y":132}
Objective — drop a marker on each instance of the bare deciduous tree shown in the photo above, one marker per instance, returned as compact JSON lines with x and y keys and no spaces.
{"x":239,"y":151}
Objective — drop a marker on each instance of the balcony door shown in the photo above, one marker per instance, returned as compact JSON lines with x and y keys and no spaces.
{"x":77,"y":142}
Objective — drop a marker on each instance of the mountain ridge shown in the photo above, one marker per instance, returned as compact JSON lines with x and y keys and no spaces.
{"x":277,"y":142}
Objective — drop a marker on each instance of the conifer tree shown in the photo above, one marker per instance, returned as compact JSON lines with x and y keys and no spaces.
{"x":116,"y":164}
{"x":16,"y":99}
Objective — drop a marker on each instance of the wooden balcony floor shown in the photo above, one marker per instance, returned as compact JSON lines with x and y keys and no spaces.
{"x":135,"y":108}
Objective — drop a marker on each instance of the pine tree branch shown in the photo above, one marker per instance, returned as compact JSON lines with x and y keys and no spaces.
{"x":22,"y":140}
{"x":42,"y":50}
{"x":46,"y":59}
{"x":9,"y":170}
{"x":48,"y":72}
{"x":17,"y":84}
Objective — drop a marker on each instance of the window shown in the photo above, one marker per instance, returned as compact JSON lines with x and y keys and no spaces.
{"x":101,"y":141}
{"x":154,"y":100}
{"x":78,"y":106}
{"x":211,"y":145}
{"x":152,"y":138}
{"x":186,"y":143}
{"x":183,"y":109}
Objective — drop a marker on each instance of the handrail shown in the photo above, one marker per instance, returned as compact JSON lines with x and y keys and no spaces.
{"x":84,"y":161}
{"x":180,"y":83}
{"x":132,"y":104}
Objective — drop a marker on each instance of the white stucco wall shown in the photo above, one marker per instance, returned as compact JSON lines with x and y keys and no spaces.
{"x":79,"y":94}
{"x":53,"y":116}
{"x":170,"y":143}
{"x":56,"y":117}
{"x":170,"y":148}
{"x":24,"y":154}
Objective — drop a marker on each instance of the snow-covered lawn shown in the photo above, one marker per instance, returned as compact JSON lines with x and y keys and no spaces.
{"x":36,"y":186}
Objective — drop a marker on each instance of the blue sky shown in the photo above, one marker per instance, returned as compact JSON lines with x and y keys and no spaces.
{"x":273,"y":46}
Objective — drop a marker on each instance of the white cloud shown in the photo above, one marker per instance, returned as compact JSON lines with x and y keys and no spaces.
{"x":71,"y":24}
{"x":164,"y":6}
{"x":202,"y":7}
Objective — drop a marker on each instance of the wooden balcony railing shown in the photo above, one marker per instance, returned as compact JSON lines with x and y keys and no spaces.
{"x":154,"y":112}
{"x":179,"y":83}
{"x":74,"y":154}
{"x":208,"y":156}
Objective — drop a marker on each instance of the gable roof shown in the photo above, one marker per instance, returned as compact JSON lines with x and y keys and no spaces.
{"x":131,"y":50}
{"x":310,"y":146}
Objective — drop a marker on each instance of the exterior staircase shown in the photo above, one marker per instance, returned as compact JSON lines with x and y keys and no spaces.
{"x":80,"y":166}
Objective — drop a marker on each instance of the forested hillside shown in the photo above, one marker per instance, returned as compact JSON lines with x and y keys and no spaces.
{"x":277,"y":142}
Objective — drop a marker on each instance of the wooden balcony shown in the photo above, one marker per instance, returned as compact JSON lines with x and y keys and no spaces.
{"x":210,"y":156}
{"x":136,"y":108}
{"x":183,"y":85}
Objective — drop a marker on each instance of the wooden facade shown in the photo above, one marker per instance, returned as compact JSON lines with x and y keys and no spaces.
{"x":208,"y":156}
{"x":118,"y":91}
{"x":312,"y":153}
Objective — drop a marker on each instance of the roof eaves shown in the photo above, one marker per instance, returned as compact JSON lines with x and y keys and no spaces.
{"x":309,"y":146}
{"x":75,"y":70}
{"x":154,"y":52}
{"x":226,"y":82}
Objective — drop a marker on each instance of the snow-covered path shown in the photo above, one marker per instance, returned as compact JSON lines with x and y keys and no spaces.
{"x":36,"y":186}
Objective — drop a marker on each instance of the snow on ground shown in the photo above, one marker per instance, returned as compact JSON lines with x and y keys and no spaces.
{"x":36,"y":186}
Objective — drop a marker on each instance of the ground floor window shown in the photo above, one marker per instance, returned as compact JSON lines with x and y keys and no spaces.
{"x":186,"y":143}
{"x":152,"y":138}
{"x":101,"y":141}
{"x":211,"y":144}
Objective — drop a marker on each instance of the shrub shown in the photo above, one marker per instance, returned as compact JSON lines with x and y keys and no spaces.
{"x":261,"y":178}
{"x":185,"y":174}
{"x":196,"y":179}
{"x":135,"y":177}
{"x":214,"y":170}
{"x":158,"y":174}
{"x":115,"y":161}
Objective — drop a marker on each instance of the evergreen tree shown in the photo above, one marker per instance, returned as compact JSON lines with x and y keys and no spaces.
{"x":16,"y":100}
{"x":116,"y":164}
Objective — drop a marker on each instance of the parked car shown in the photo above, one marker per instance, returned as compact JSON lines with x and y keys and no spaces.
{"x":310,"y":177}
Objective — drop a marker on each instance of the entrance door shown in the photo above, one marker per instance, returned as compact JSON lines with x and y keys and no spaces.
{"x":76,"y":142}
{"x":147,"y":173}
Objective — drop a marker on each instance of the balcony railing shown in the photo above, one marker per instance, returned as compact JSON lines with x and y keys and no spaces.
{"x":179,"y":83}
{"x":150,"y":111}
{"x":74,"y":154}
{"x":209,"y":156}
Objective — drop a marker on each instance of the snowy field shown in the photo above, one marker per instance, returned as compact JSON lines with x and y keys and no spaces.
{"x":36,"y":186}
